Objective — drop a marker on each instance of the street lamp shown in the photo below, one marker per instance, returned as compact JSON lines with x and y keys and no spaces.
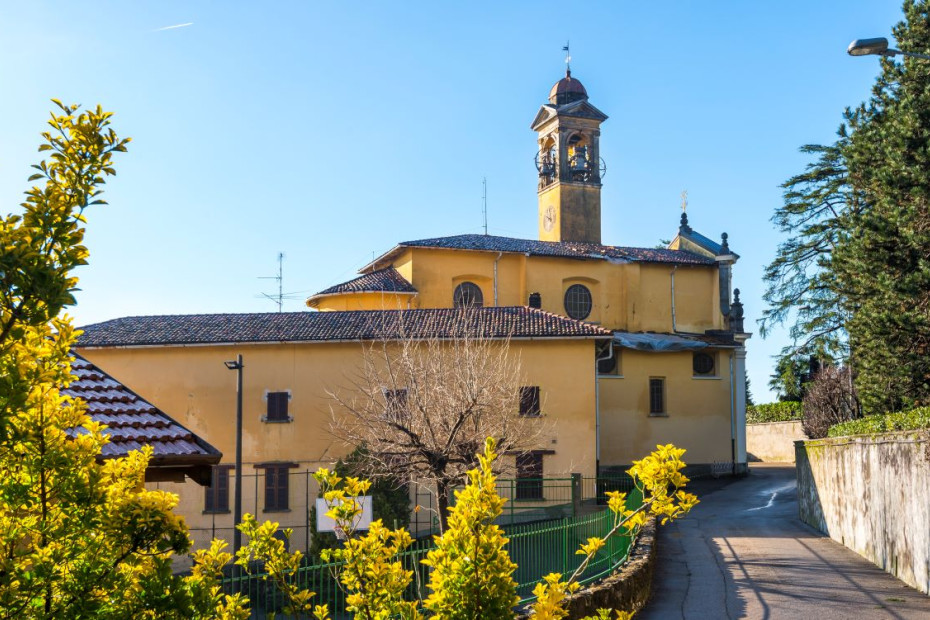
{"x":878,"y":47}
{"x":237,"y":509}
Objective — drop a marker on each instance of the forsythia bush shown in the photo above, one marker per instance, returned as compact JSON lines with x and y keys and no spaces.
{"x":79,"y":537}
{"x":472,"y":574}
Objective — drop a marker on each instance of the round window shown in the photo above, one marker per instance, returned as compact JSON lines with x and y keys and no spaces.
{"x":578,"y":301}
{"x":467,"y":294}
{"x":703,"y":364}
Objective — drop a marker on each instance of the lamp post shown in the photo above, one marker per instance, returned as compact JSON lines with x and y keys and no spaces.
{"x":237,"y":509}
{"x":878,"y":47}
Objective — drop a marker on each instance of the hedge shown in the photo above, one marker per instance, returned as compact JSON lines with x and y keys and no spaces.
{"x":902,"y":421}
{"x":773,"y":412}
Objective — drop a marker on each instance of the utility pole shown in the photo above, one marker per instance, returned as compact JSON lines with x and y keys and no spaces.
{"x":484,"y":203}
{"x":237,"y":507}
{"x":280,"y":278}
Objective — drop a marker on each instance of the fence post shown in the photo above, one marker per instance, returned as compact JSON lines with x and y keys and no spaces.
{"x":307,"y":514}
{"x":564,"y":546}
{"x":576,"y":494}
{"x":513,"y":496}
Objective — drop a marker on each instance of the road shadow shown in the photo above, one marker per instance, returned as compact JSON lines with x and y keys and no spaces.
{"x":744,"y":553}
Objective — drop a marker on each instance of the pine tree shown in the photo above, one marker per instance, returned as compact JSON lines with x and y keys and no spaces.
{"x":854,"y":275}
{"x":883,"y":264}
{"x":801,"y":287}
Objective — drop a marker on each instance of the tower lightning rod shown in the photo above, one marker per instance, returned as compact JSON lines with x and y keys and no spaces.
{"x":280,"y":278}
{"x":484,"y":203}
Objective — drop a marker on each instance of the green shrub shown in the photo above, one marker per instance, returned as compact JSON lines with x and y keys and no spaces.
{"x":774,"y":412}
{"x":902,"y":421}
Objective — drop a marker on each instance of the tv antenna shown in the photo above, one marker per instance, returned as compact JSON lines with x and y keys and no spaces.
{"x":280,"y":278}
{"x":484,"y":203}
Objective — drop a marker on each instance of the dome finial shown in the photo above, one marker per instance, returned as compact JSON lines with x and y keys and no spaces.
{"x":568,"y":59}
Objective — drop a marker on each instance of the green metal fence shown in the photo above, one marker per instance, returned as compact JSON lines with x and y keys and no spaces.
{"x":537,"y":548}
{"x":533,"y":499}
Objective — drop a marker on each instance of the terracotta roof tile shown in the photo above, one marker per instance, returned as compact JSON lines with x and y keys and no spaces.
{"x":385,"y":280}
{"x":497,"y":322}
{"x":564,"y":249}
{"x":131,"y":421}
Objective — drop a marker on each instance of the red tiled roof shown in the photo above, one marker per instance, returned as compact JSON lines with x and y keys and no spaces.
{"x":497,"y":322}
{"x":563,"y":249}
{"x":385,"y":280}
{"x":132,"y":422}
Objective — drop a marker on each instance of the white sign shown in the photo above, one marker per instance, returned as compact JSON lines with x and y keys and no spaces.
{"x":362,"y":521}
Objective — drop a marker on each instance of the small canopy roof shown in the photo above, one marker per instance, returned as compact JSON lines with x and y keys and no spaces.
{"x":669,"y":343}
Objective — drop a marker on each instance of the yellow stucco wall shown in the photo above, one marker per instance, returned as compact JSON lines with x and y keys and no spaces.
{"x":364,"y":301}
{"x":626,"y":296}
{"x":192,"y":385}
{"x":697,"y":302}
{"x":697,"y":409}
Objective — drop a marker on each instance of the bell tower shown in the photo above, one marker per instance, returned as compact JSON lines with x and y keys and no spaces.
{"x":569,"y":164}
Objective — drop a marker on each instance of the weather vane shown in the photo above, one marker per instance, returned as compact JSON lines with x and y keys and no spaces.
{"x":568,"y":57}
{"x":684,"y":201}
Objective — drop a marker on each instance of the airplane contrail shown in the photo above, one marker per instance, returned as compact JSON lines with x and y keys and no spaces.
{"x":173,"y":27}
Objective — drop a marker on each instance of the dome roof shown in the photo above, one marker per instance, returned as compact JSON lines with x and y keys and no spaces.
{"x":567,"y":90}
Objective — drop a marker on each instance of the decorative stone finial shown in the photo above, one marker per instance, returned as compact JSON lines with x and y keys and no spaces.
{"x":684,"y":228}
{"x":725,"y":249}
{"x":736,"y":313}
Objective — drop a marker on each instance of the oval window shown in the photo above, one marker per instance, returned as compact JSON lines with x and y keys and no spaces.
{"x":467,"y":294}
{"x":578,"y":301}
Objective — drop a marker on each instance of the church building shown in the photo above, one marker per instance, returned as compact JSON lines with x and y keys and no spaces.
{"x":626,"y":347}
{"x":675,"y":368}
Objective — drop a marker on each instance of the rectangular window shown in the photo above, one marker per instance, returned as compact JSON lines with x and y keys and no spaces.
{"x":656,"y":396}
{"x":216,"y":496}
{"x":395,"y":403}
{"x":277,"y":407}
{"x":276,"y":487}
{"x":529,"y":476}
{"x":529,"y":400}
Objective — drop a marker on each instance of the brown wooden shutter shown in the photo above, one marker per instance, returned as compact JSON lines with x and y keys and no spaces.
{"x":529,"y":400}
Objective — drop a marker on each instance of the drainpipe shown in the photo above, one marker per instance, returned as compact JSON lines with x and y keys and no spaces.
{"x":597,"y":410}
{"x":499,"y":254}
{"x":732,"y":415}
{"x":672,"y":274}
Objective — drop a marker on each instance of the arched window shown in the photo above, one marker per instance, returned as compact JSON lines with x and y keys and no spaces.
{"x":578,"y":301}
{"x":467,"y":294}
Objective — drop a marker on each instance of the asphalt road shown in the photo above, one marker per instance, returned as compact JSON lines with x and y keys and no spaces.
{"x":743,"y":553}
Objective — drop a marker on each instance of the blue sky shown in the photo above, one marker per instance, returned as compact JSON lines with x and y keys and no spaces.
{"x":331,"y":131}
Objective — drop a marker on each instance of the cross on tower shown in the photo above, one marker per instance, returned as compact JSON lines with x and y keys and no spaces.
{"x":684,"y":201}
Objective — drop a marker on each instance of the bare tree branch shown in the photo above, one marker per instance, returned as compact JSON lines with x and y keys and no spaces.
{"x":422,"y":406}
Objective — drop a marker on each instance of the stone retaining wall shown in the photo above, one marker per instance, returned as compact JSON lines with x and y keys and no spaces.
{"x":773,"y":442}
{"x":628,"y":589}
{"x":871,"y":493}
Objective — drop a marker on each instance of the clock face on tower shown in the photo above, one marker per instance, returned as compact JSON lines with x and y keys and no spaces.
{"x":549,"y":218}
